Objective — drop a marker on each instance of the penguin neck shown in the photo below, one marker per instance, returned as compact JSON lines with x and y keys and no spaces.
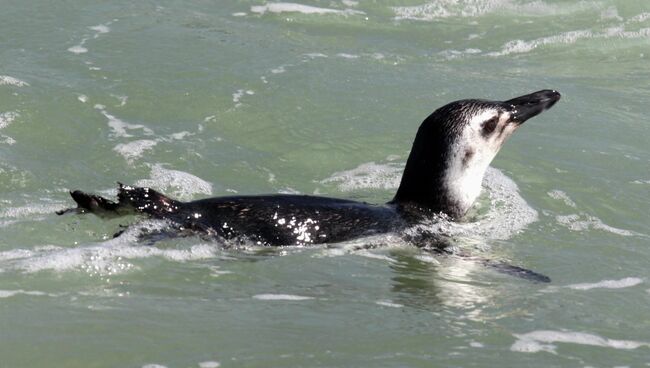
{"x":436,"y":178}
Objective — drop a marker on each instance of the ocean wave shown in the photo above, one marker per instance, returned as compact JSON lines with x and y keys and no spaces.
{"x":568,"y":38}
{"x":521,"y":46}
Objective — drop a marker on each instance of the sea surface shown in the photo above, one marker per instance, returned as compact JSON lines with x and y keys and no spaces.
{"x":202,"y":98}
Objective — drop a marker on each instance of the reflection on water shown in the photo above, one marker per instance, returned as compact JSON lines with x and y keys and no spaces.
{"x":427,"y":282}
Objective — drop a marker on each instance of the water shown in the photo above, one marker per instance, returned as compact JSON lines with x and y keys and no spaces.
{"x":201,"y":98}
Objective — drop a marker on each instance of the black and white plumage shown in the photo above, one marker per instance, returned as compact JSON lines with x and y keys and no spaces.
{"x":443,"y":174}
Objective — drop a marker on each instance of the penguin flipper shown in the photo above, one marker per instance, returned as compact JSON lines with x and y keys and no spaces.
{"x":512,"y":270}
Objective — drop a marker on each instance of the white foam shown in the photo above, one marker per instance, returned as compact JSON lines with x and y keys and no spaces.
{"x":154,"y":365}
{"x":562,"y":196}
{"x":216,"y":272}
{"x":315,"y":55}
{"x":583,"y":222}
{"x":13,"y":254}
{"x":6,"y":80}
{"x":180,"y":135}
{"x":388,"y":303}
{"x":119,"y":127}
{"x":209,"y":364}
{"x":179,"y":184}
{"x":102,"y":28}
{"x":367,"y":176}
{"x":278,"y":70}
{"x":239,"y":14}
{"x":299,"y":8}
{"x":111,"y":257}
{"x":132,"y":150}
{"x":521,"y":46}
{"x":642,"y":17}
{"x":237,"y":96}
{"x":31,"y":209}
{"x":10,"y":293}
{"x":347,"y":56}
{"x":350,"y":3}
{"x":281,"y":297}
{"x":78,"y":49}
{"x":453,"y":54}
{"x":542,"y":340}
{"x":438,"y":9}
{"x":571,"y":37}
{"x":476,"y":344}
{"x":7,"y":118}
{"x":82,"y":98}
{"x":288,"y":190}
{"x":444,"y":9}
{"x":607,"y":284}
{"x":122,"y":99}
{"x":7,"y":139}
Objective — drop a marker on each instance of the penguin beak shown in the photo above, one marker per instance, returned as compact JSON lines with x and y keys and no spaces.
{"x":525,"y":107}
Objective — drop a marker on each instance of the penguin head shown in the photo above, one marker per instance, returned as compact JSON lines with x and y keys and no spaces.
{"x":455,"y":145}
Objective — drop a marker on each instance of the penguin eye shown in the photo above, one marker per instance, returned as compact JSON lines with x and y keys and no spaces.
{"x":489,"y":126}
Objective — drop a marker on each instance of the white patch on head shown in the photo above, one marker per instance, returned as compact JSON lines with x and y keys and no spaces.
{"x":471,"y":154}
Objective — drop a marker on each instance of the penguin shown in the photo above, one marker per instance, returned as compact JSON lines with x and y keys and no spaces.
{"x":452,"y":149}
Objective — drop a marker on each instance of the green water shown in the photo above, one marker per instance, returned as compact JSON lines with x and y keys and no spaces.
{"x":205,"y":98}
